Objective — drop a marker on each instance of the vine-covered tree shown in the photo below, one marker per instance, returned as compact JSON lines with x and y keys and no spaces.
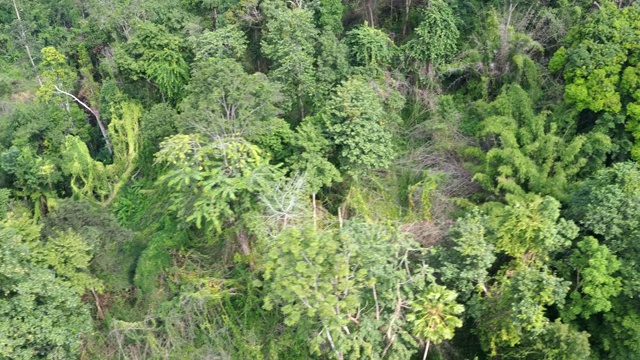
{"x":436,"y":37}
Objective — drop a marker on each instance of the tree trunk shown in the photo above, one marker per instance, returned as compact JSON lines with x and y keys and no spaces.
{"x":426,"y":350}
{"x":430,"y":71}
{"x":407,"y":5}
{"x":243,"y":239}
{"x":315,"y":212}
{"x":26,"y":45}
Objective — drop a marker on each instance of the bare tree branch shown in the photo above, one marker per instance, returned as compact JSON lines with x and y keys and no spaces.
{"x":103,"y":130}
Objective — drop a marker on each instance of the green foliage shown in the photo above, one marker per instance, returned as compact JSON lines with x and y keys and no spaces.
{"x":156,"y":55}
{"x":34,"y":137}
{"x":559,"y":341}
{"x":599,"y":66}
{"x":464,"y":266}
{"x":497,"y":52}
{"x":215,"y":181}
{"x":510,"y":305}
{"x":55,"y":73}
{"x":607,"y":205}
{"x":310,"y":156}
{"x":289,"y":41}
{"x":40,"y":309}
{"x":4,"y":202}
{"x":228,"y":42}
{"x":288,"y":167}
{"x":99,"y":229}
{"x":332,"y":65}
{"x":434,"y":315}
{"x":425,"y":188}
{"x":110,"y":97}
{"x":531,"y":229}
{"x":436,"y":37}
{"x":358,"y":123}
{"x":379,"y":198}
{"x":595,"y":284}
{"x":225,"y":99}
{"x":371,"y":48}
{"x":324,"y":277}
{"x":68,"y":255}
{"x":528,"y":153}
{"x":157,"y":258}
{"x":159,"y":122}
{"x":516,"y":307}
{"x":330,"y":15}
{"x":91,"y":179}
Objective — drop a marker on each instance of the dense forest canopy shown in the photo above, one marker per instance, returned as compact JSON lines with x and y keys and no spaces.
{"x":319,"y":179}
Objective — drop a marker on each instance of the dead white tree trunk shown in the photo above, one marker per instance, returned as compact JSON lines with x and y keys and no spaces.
{"x":26,"y":45}
{"x":103,"y":130}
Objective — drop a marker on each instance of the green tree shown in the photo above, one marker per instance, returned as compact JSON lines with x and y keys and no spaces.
{"x":600,"y":67}
{"x":595,"y":284}
{"x":528,"y":153}
{"x":223,"y":98}
{"x":558,"y":341}
{"x":323,"y":277}
{"x":156,"y":55}
{"x":515,"y":307}
{"x":41,"y":313}
{"x":359,"y":125}
{"x":56,"y":73}
{"x":435,"y":40}
{"x":289,"y":40}
{"x":103,"y":235}
{"x":329,"y":15}
{"x":311,"y":150}
{"x":215,"y":182}
{"x":500,"y":51}
{"x":434,"y":315}
{"x":530,"y":229}
{"x":464,"y":266}
{"x":332,"y":65}
{"x":228,"y":42}
{"x":370,"y":48}
{"x":607,"y":207}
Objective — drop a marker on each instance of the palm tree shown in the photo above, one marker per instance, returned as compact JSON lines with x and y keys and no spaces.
{"x":434,"y":315}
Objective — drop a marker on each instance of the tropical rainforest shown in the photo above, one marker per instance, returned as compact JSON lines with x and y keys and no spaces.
{"x":319,"y":179}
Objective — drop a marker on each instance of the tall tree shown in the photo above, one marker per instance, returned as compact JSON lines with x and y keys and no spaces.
{"x":435,"y":40}
{"x":327,"y":277}
{"x":289,"y":40}
{"x":359,"y":124}
{"x":155,"y":54}
{"x":215,"y":182}
{"x":223,"y":98}
{"x":607,"y":207}
{"x":371,"y":48}
{"x":435,"y":315}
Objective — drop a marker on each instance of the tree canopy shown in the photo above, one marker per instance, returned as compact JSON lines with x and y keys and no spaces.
{"x":327,"y":179}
